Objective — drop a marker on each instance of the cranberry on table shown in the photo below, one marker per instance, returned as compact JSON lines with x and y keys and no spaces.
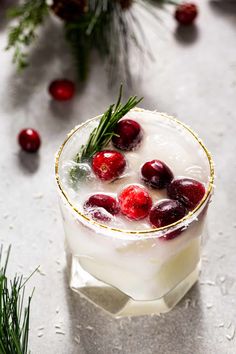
{"x":166,"y":212}
{"x":62,"y":89}
{"x":108,"y":164}
{"x":135,"y":202}
{"x":156,"y":174}
{"x":128,"y":134}
{"x":186,"y":190}
{"x":186,"y":13}
{"x":29,"y":140}
{"x":96,"y":202}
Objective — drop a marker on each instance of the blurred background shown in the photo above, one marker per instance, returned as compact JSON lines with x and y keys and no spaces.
{"x":184,"y":70}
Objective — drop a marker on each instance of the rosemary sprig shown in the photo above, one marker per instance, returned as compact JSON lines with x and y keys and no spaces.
{"x":30,"y":15}
{"x":102,"y":134}
{"x":14,"y":318}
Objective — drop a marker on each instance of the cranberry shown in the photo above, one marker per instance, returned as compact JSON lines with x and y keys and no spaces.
{"x":29,"y":140}
{"x":187,"y":190}
{"x":156,"y":174}
{"x":186,"y":13}
{"x":135,"y":202}
{"x":108,"y":164}
{"x":62,"y":89}
{"x":128,"y":134}
{"x":96,"y":202}
{"x":172,"y":234}
{"x":166,"y":212}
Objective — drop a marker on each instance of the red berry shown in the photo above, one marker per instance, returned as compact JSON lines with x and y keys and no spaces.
{"x":166,"y":212}
{"x":97,"y":202}
{"x":187,"y":190}
{"x":62,"y":89}
{"x":29,"y":140}
{"x":129,"y":134}
{"x":108,"y":164}
{"x":172,"y":234}
{"x":135,"y":202}
{"x":186,"y":13}
{"x":156,"y":174}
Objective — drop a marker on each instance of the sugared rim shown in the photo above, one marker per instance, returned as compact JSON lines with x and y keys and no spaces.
{"x":148,"y":231}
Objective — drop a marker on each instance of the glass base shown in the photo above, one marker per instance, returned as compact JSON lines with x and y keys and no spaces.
{"x":119,"y":304}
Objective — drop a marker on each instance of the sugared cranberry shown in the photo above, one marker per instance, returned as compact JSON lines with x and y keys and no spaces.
{"x":166,"y":212}
{"x":156,"y":174}
{"x":108,"y":164}
{"x":128,"y":134}
{"x":135,"y":202}
{"x":97,"y":202}
{"x":29,"y":140}
{"x":186,"y":190}
{"x":186,"y":13}
{"x":62,"y":89}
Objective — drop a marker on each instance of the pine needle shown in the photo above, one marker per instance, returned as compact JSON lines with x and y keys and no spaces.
{"x":30,"y":15}
{"x":14,"y":317}
{"x":105,"y":26}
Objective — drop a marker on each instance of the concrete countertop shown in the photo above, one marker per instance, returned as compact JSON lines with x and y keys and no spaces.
{"x":194,"y":78}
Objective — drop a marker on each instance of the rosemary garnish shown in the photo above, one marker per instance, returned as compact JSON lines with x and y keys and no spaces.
{"x":102,"y":134}
{"x":14,"y":318}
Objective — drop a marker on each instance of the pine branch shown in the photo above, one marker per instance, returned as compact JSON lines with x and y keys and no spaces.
{"x":14,"y":317}
{"x":80,"y":43}
{"x":89,"y":32}
{"x":104,"y":25}
{"x":29,"y":15}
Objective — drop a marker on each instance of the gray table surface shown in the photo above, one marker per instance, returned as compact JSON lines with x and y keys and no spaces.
{"x":194,"y":78}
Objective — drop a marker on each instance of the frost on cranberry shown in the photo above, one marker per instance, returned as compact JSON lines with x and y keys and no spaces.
{"x":108,"y":164}
{"x":186,"y":190}
{"x":135,"y":202}
{"x":156,"y":174}
{"x":128,"y":134}
{"x":101,"y":207}
{"x":166,"y":212}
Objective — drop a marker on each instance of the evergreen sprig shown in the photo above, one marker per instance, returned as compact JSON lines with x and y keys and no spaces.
{"x":14,"y":317}
{"x":30,"y":15}
{"x":92,"y":30}
{"x":109,"y":26}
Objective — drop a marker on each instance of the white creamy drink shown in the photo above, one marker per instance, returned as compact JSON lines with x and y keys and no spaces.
{"x":147,"y":247}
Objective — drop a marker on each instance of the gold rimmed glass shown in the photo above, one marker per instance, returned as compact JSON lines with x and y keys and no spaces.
{"x":131,"y":272}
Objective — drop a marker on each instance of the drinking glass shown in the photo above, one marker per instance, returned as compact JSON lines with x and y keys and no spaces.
{"x":132,"y":272}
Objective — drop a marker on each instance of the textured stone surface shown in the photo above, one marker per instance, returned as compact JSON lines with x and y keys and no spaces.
{"x":194,"y":78}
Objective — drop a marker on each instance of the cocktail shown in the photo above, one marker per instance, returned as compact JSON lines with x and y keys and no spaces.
{"x":134,"y":210}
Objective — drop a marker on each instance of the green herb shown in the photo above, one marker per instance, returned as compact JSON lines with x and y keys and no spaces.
{"x":79,"y":172}
{"x":108,"y":26}
{"x":14,"y":317}
{"x":93,"y":30}
{"x":30,"y":15}
{"x":102,"y":134}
